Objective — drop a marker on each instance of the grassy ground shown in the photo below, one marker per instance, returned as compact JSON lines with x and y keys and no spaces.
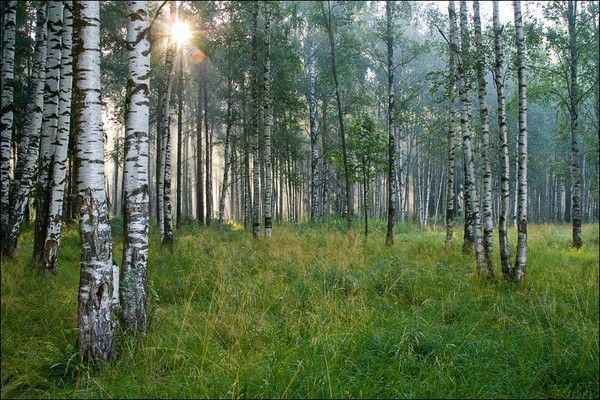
{"x":312,"y":313}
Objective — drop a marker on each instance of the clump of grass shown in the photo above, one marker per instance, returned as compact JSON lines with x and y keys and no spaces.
{"x":315,"y":313}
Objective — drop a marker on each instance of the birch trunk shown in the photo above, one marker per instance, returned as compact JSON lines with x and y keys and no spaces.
{"x":226,"y":156}
{"x":464,"y":88}
{"x":30,"y":141}
{"x":49,"y":127}
{"x":573,"y":104}
{"x":487,"y":218}
{"x":6,"y":118}
{"x":167,"y":234}
{"x":199,"y":159}
{"x":268,"y":120}
{"x":521,"y":260}
{"x":255,"y":142}
{"x":314,"y":136}
{"x":134,"y":275}
{"x":504,"y":159}
{"x":180,"y":161}
{"x":59,"y":162}
{"x":391,"y":182}
{"x":452,"y":144}
{"x":96,"y":321}
{"x":208,"y":154}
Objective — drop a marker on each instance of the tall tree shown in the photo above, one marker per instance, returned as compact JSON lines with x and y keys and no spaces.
{"x":314,"y":135}
{"x":327,"y":19}
{"x":521,"y":260}
{"x":49,"y":127}
{"x":503,"y":140}
{"x":268,"y":121}
{"x":180,"y":161}
{"x":30,"y":140}
{"x":255,"y":141}
{"x":61,"y":145}
{"x":6,"y":110}
{"x":96,"y":320}
{"x":199,"y":158}
{"x":134,"y":291}
{"x":487,"y":219}
{"x":389,"y":240}
{"x":573,"y":111}
{"x":226,"y":151}
{"x":451,"y":145}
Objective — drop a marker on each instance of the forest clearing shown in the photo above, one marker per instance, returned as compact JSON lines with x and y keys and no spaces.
{"x":277,"y":199}
{"x":315,"y":314}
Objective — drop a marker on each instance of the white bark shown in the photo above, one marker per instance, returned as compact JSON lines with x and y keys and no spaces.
{"x":134,"y":291}
{"x":59,"y":163}
{"x":49,"y":126}
{"x":487,"y":219}
{"x":29,"y":144}
{"x":503,"y":137}
{"x":95,"y":317}
{"x":268,"y":120}
{"x":6,"y":112}
{"x":521,"y":261}
{"x":255,"y":106}
{"x":312,"y":115}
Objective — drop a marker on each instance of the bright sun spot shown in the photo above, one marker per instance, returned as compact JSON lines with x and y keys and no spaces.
{"x":181,"y":33}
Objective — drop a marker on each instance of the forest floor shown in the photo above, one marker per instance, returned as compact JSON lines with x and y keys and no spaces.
{"x":313,"y":313}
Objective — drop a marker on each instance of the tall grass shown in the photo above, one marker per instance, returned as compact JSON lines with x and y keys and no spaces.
{"x":315,"y":313}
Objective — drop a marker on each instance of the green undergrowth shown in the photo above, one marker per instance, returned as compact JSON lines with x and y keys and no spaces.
{"x":316,"y":313}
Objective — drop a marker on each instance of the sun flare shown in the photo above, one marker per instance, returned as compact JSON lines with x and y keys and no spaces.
{"x":181,"y":33}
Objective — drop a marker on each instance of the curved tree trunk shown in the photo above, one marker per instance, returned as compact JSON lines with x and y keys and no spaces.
{"x":59,"y":162}
{"x":30,"y":141}
{"x":487,"y":219}
{"x":6,"y":111}
{"x":504,"y":159}
{"x":134,"y":291}
{"x":268,"y":117}
{"x":96,"y":322}
{"x":521,"y":261}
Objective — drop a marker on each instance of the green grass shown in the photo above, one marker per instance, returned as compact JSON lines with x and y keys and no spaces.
{"x":313,"y":313}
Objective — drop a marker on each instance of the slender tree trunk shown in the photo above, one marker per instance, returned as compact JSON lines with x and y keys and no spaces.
{"x":96,"y":321}
{"x":521,"y":261}
{"x":472,"y":215}
{"x":268,"y":120}
{"x":255,"y":141}
{"x":452,"y":144}
{"x":30,"y":141}
{"x":49,"y":128}
{"x":391,"y":217}
{"x":208,"y":154}
{"x":314,"y":136}
{"x":59,"y":163}
{"x":503,"y":137}
{"x":179,"y":139}
{"x":487,"y":219}
{"x":199,"y":158}
{"x":226,"y":157}
{"x":573,"y":104}
{"x":6,"y":118}
{"x":134,"y":290}
{"x":329,"y":28}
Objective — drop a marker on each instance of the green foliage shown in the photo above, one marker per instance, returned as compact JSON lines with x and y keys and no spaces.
{"x":367,"y":146}
{"x":314,"y":313}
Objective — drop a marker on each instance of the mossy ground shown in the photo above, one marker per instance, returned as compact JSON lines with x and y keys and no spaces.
{"x":314,"y":313}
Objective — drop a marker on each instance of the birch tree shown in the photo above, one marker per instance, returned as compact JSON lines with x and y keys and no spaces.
{"x":61,"y":145}
{"x":503,"y":140}
{"x":49,"y":127}
{"x":134,"y":290}
{"x":226,"y":155}
{"x":487,"y":221}
{"x":255,"y":141}
{"x":451,"y":145}
{"x":521,"y":260}
{"x":6,"y":111}
{"x":96,"y":321}
{"x":389,"y":240}
{"x":314,"y":135}
{"x":30,"y":141}
{"x":268,"y":119}
{"x":573,"y":111}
